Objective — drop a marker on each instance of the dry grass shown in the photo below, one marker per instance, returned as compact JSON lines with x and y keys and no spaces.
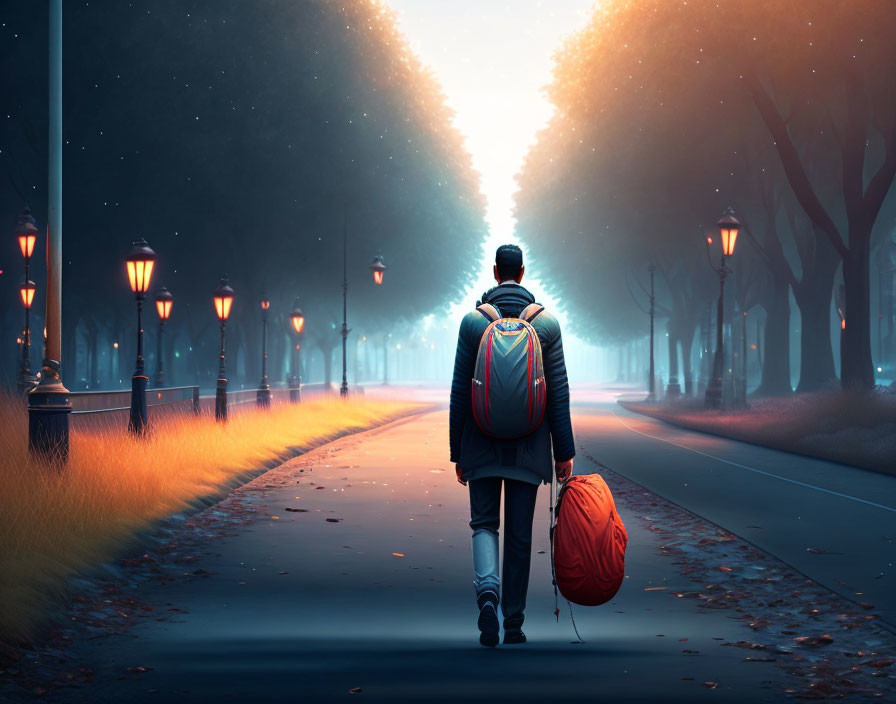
{"x":852,"y":428}
{"x":54,"y":524}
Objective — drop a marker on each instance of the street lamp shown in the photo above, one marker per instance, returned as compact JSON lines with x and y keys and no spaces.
{"x":729,"y":226}
{"x":378,"y":268}
{"x":263,"y":396}
{"x":223,"y":300}
{"x":164,"y":303}
{"x":651,"y":387}
{"x":295,"y":382}
{"x":26,"y":233}
{"x":343,"y":389}
{"x":139,"y":264}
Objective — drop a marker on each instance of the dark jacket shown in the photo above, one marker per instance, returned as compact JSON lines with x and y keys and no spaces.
{"x":481,"y":455}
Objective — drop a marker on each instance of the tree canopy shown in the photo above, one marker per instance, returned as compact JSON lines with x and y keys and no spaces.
{"x":242,"y":138}
{"x":668,"y":112}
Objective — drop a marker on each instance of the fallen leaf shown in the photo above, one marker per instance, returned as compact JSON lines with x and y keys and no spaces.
{"x":355,"y":690}
{"x":296,"y":510}
{"x":711,"y":685}
{"x":654,"y":589}
{"x":814,"y":641}
{"x":817,"y":551}
{"x":139,"y":668}
{"x":398,"y":554}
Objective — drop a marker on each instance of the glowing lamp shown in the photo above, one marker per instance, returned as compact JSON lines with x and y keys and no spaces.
{"x":265,"y":304}
{"x":164,"y":302}
{"x":843,"y":324}
{"x":223,"y":299}
{"x":140,"y":262}
{"x":298,"y":321}
{"x":728,"y":226}
{"x":26,"y":290}
{"x":26,"y":233}
{"x":378,"y":268}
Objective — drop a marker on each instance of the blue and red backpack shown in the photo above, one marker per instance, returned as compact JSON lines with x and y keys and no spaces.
{"x":509,"y":393}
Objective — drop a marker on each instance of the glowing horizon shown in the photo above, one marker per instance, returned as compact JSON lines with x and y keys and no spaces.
{"x":493,"y":60}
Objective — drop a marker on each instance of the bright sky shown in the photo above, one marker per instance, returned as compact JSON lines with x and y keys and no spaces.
{"x":493,"y":59}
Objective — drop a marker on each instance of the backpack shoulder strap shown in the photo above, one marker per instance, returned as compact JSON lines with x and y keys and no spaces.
{"x":531,"y":311}
{"x":489,"y":311}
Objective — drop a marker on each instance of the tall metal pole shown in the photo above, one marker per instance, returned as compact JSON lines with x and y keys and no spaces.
{"x":714,"y":390}
{"x":48,"y":404}
{"x":743,"y":346}
{"x":651,"y":393}
{"x":221,"y":390}
{"x":160,"y":367}
{"x":263,"y":397}
{"x":137,"y":422}
{"x":295,"y":385}
{"x":343,"y":390}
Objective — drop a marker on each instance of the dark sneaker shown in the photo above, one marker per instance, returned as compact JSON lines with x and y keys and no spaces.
{"x":488,"y":619}
{"x":514,"y":637}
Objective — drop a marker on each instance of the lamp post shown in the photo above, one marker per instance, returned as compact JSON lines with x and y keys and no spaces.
{"x":263,"y":396}
{"x":728,"y":226}
{"x":343,"y":389}
{"x":26,"y":233}
{"x":139,"y":264}
{"x":651,"y":387}
{"x":48,"y":404}
{"x":378,"y":268}
{"x":295,"y":382}
{"x":223,"y":300}
{"x":164,"y":303}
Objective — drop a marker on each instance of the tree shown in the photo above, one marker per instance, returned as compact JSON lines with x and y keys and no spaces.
{"x":241,"y":138}
{"x":656,"y":101}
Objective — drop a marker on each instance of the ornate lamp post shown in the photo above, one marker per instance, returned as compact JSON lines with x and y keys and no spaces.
{"x":26,"y":233}
{"x":295,"y":382}
{"x":164,"y":303}
{"x":728,"y":226}
{"x":651,"y":386}
{"x":343,"y":389}
{"x":139,"y":264}
{"x":378,"y":268}
{"x":223,"y":300}
{"x":263,"y":397}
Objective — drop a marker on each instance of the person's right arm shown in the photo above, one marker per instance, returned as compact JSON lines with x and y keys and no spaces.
{"x":557,"y":412}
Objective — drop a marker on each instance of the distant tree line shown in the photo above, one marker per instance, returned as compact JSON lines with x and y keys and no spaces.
{"x":239,"y":138}
{"x":669,"y":112}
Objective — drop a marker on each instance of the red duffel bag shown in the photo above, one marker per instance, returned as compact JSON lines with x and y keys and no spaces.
{"x":588,"y":541}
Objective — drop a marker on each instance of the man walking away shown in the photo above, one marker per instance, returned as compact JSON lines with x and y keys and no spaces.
{"x":488,"y":463}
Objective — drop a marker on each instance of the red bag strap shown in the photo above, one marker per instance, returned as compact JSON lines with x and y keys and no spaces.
{"x":490,"y":312}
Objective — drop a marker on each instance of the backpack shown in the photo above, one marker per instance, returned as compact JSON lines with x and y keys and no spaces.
{"x":588,"y":541}
{"x":509,"y":394}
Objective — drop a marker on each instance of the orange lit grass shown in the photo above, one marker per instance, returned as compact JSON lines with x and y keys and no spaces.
{"x":54,"y":524}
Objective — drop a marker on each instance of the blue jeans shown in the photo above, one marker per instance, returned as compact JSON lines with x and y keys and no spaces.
{"x":485,"y":518}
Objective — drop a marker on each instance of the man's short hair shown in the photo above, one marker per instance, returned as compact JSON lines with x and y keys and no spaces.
{"x":509,"y":261}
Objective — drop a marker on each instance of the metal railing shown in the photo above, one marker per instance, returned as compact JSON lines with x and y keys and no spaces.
{"x":87,"y":402}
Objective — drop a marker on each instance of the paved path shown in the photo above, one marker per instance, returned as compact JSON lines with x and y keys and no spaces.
{"x":364,"y":590}
{"x":834,"y":523}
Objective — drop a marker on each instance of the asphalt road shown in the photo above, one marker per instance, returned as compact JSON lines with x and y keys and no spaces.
{"x":364,"y":588}
{"x":834,"y":523}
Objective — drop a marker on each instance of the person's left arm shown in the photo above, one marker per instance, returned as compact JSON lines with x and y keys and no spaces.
{"x":460,"y":406}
